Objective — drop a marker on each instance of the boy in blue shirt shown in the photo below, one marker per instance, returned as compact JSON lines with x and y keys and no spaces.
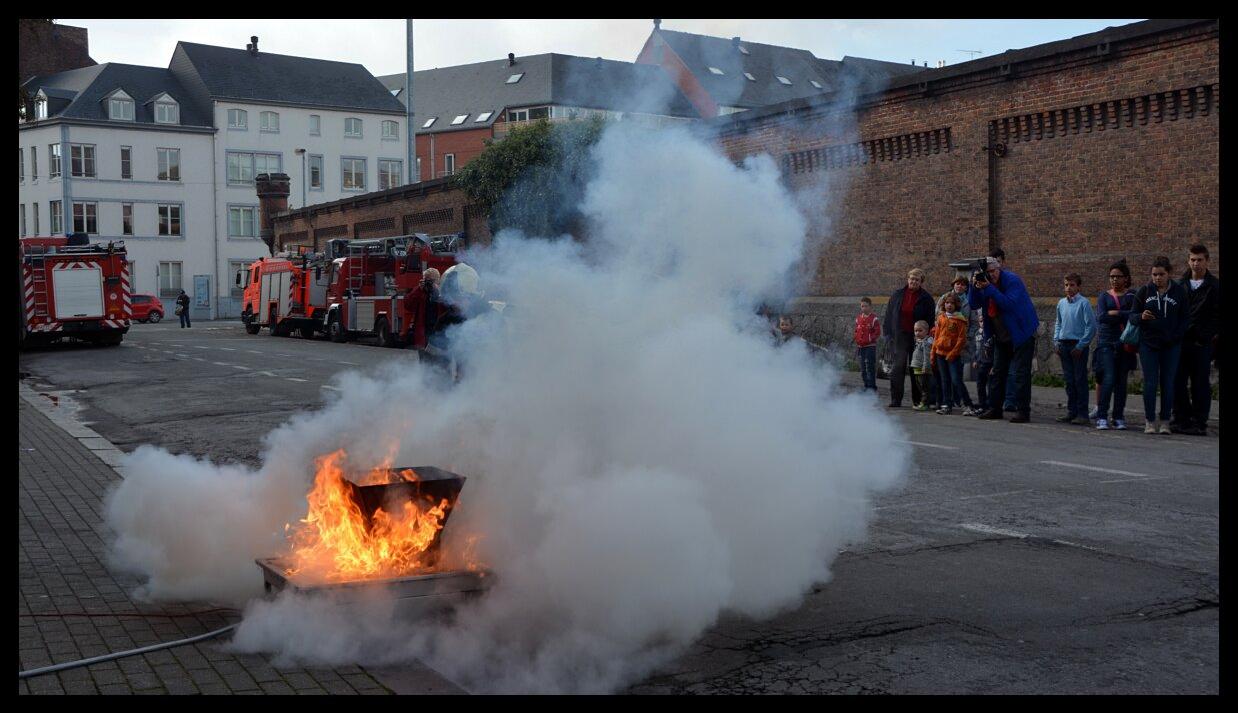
{"x":1072,"y":335}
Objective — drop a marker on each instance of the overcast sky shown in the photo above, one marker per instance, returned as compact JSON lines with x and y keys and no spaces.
{"x":379,"y":44}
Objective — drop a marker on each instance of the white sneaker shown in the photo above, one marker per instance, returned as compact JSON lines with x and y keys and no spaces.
{"x":1102,"y":424}
{"x":1150,"y":427}
{"x":1165,"y":429}
{"x":1119,"y":424}
{"x":1094,"y":413}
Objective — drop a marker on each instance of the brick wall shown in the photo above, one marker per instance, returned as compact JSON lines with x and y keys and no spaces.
{"x":466,"y":145}
{"x":47,"y":48}
{"x":1111,"y":153}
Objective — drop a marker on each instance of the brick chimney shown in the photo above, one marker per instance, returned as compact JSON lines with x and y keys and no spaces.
{"x":272,"y":198}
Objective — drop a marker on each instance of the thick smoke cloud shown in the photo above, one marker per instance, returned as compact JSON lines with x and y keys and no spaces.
{"x":640,"y":456}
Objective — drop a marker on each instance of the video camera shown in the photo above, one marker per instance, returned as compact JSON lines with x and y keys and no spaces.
{"x":977,"y":268}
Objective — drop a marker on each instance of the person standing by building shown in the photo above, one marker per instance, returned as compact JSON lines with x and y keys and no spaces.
{"x":907,"y":306}
{"x":950,"y":338}
{"x":1160,"y":312}
{"x":1010,"y":316}
{"x":182,"y":309}
{"x":1192,"y":389}
{"x":1113,"y":363}
{"x":867,"y":332}
{"x":1073,"y":331}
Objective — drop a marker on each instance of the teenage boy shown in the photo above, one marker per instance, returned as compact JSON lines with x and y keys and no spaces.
{"x":867,"y":331}
{"x":1072,"y":336}
{"x":1203,"y":291}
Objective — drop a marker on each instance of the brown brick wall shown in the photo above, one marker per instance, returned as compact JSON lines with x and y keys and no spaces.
{"x":466,"y":145}
{"x":47,"y":48}
{"x":1133,"y":183}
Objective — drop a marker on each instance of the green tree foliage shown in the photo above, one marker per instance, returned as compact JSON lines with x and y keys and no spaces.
{"x":534,"y":178}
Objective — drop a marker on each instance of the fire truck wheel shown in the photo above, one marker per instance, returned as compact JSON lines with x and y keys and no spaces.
{"x":307,"y":332}
{"x":383,"y":330}
{"x":154,"y":317}
{"x":253,"y":328}
{"x":335,"y":330}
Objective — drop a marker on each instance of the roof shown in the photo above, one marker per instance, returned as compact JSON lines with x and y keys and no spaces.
{"x":1009,"y":57}
{"x":79,"y":93}
{"x":562,"y":80}
{"x":237,"y":74}
{"x":765,"y":63}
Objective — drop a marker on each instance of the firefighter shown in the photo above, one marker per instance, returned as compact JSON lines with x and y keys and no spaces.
{"x":422,"y":305}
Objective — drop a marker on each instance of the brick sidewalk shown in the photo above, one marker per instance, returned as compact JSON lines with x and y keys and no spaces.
{"x":71,"y":606}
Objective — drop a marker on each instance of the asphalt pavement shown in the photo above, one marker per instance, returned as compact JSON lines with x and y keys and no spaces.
{"x":1017,"y":558}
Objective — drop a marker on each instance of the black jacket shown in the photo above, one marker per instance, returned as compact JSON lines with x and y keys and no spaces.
{"x":183,"y":301}
{"x":1171,"y":315}
{"x":924,"y":310}
{"x":1203,"y":308}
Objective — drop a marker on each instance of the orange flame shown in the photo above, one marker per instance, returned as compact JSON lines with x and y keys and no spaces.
{"x":334,"y":542}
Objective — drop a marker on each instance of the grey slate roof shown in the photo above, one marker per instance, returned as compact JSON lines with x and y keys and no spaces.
{"x":765,"y":63}
{"x":557,"y":79}
{"x":79,"y":93}
{"x":230,"y":73}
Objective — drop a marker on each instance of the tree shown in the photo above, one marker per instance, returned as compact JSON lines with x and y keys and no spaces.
{"x":534,"y":178}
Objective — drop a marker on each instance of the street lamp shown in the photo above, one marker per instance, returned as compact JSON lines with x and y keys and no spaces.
{"x":301,"y":152}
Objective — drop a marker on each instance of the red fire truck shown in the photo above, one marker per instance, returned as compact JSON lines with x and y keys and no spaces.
{"x":71,"y":287}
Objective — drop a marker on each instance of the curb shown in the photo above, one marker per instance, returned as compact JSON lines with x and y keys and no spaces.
{"x":60,"y":409}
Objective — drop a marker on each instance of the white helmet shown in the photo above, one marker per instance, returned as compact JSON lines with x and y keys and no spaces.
{"x":463,"y":278}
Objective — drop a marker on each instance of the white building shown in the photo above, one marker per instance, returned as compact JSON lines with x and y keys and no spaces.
{"x":165,"y":159}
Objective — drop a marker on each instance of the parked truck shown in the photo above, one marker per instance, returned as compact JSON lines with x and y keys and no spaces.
{"x":72,"y":288}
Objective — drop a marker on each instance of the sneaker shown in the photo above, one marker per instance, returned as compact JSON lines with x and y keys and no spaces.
{"x":1150,"y":427}
{"x":1102,"y":424}
{"x":1021,"y":417}
{"x":990,"y":415}
{"x":920,"y":407}
{"x":1066,"y":418}
{"x":941,"y":411}
{"x":972,"y":411}
{"x":1165,"y":430}
{"x":1119,"y":424}
{"x":1094,"y":413}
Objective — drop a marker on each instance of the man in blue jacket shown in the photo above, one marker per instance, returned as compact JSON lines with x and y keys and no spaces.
{"x":1010,"y":318}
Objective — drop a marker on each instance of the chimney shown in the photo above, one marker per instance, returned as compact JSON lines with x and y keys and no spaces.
{"x":657,"y":24}
{"x":253,"y":45}
{"x":272,"y":191}
{"x":735,"y":42}
{"x":511,"y":59}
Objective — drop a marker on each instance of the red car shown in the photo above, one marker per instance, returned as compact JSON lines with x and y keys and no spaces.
{"x":147,"y":308}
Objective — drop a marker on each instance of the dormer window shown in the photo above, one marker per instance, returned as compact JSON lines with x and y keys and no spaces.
{"x":749,"y":76}
{"x":459,"y":119}
{"x":815,"y":83}
{"x":167,"y":111}
{"x":742,"y":49}
{"x":40,"y":108}
{"x":514,"y":78}
{"x":120,"y":108}
{"x":784,"y":80}
{"x":483,"y":117}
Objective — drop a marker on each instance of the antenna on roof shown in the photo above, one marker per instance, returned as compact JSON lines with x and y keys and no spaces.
{"x":974,"y":53}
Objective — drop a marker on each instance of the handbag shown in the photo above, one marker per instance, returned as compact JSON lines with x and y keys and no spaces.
{"x":179,"y":310}
{"x":1130,"y":335}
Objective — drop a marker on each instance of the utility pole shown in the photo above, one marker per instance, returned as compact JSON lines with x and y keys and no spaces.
{"x":408,"y":109}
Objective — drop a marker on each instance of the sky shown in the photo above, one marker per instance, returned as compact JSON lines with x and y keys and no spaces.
{"x":379,"y":44}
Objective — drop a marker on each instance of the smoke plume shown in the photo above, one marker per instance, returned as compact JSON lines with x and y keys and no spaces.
{"x":640,"y":457}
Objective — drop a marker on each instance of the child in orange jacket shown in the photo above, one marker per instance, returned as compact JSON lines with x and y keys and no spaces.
{"x":949,"y":340}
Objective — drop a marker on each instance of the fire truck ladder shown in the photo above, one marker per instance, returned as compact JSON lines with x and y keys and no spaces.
{"x":38,"y":277}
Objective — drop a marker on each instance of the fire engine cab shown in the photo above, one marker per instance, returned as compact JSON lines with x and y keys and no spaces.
{"x":71,"y":287}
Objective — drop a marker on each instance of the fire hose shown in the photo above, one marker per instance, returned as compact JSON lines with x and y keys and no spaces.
{"x":123,"y":654}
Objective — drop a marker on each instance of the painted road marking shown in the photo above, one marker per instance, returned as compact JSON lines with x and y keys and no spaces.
{"x":1135,"y":480}
{"x":989,"y":530}
{"x":253,"y":351}
{"x":290,"y":378}
{"x":931,"y":445}
{"x":238,"y":366}
{"x":996,"y":495}
{"x":220,"y":363}
{"x":350,"y":363}
{"x":227,"y":349}
{"x":1064,"y":464}
{"x":327,"y":386}
{"x":266,"y":373}
{"x":198,"y":347}
{"x":197,"y":358}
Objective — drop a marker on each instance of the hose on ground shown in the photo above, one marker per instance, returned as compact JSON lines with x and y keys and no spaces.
{"x":123,"y":654}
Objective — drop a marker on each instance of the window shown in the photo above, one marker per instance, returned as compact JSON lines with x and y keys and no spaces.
{"x":238,"y":119}
{"x":514,"y":78}
{"x":21,"y":210}
{"x":126,"y":162}
{"x":459,"y":119}
{"x":268,"y":121}
{"x":126,"y":219}
{"x":242,"y":221}
{"x":391,"y":129}
{"x":353,"y":170}
{"x":742,"y":49}
{"x":749,"y":77}
{"x":53,"y":160}
{"x":169,"y":164}
{"x":21,"y":164}
{"x":352,"y":127}
{"x":418,"y":178}
{"x":395,"y":92}
{"x":389,"y":173}
{"x":238,"y":267}
{"x":34,"y":213}
{"x":56,"y":214}
{"x":815,"y":83}
{"x":449,"y":164}
{"x":715,"y":70}
{"x":40,"y":108}
{"x":242,"y":167}
{"x":784,"y":80}
{"x":541,"y":112}
{"x":315,"y":125}
{"x":484,"y":116}
{"x":82,"y":160}
{"x":133,"y":279}
{"x":315,"y":172}
{"x":120,"y":109}
{"x":169,"y":279}
{"x":429,"y":122}
{"x":86,"y":218}
{"x":167,"y":113}
{"x":169,"y":219}
{"x":34,"y":163}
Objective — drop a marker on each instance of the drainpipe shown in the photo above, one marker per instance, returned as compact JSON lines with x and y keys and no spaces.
{"x":215,"y":229}
{"x":408,"y":107}
{"x":66,"y":173}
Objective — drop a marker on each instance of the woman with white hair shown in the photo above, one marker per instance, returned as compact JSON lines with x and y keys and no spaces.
{"x":907,"y":306}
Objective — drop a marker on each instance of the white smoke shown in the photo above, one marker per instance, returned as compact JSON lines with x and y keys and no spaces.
{"x":639,"y":457}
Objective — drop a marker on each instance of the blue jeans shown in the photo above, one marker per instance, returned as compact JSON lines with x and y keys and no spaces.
{"x":983,"y":369}
{"x":1112,"y":368}
{"x":868,"y":366}
{"x":1075,"y":372}
{"x":1160,"y":367}
{"x":952,"y":390}
{"x":1012,"y":374}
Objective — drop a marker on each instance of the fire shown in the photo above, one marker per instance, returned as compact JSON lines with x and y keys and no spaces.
{"x":336,"y":542}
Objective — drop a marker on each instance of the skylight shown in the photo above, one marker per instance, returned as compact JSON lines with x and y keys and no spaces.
{"x":484,"y":116}
{"x":514,"y":78}
{"x":715,"y":70}
{"x":742,"y":49}
{"x":784,"y":80}
{"x":459,"y":119}
{"x":395,"y":92}
{"x":429,"y":122}
{"x":750,"y":77}
{"x":815,"y":83}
